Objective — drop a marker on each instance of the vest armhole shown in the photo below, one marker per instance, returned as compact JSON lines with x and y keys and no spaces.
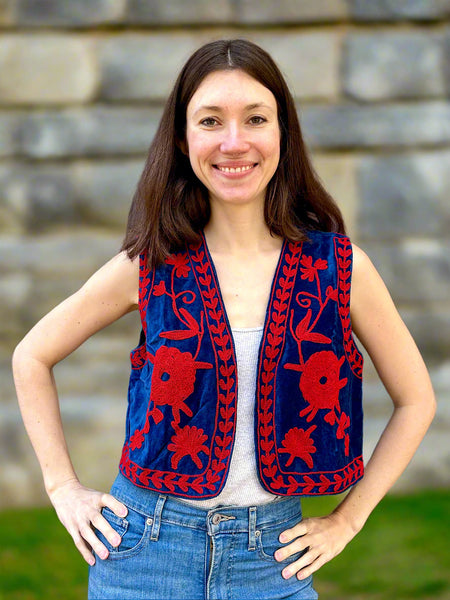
{"x":344,"y":261}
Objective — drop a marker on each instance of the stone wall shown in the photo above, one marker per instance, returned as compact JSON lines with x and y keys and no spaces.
{"x":82,"y":83}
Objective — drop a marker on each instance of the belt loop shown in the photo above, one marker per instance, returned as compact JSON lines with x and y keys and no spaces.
{"x":252,"y":528}
{"x":157,"y":518}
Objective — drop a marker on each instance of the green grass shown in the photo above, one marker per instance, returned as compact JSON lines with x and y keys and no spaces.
{"x":401,"y":554}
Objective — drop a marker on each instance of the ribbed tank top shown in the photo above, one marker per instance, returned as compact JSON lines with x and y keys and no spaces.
{"x":242,"y":487}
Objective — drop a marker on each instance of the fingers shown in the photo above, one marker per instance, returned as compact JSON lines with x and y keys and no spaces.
{"x":112,"y":503}
{"x":305,"y":566}
{"x":79,"y":510}
{"x":320,"y":538}
{"x":96,"y":520}
{"x":290,"y":534}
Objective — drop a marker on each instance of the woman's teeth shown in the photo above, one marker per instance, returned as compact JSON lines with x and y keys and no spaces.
{"x":235,"y":169}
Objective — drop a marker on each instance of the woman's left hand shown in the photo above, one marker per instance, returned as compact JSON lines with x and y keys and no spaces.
{"x":322,"y":538}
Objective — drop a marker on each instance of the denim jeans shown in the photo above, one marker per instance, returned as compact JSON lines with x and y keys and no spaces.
{"x":171,"y":550}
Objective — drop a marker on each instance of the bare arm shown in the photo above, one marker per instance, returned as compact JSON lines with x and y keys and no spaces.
{"x":399,"y":364}
{"x":109,"y":294}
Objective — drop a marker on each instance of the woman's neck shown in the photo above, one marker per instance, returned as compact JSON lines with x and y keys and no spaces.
{"x":236,"y":230}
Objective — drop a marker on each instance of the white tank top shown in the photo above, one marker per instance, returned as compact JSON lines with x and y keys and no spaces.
{"x":242,"y":487}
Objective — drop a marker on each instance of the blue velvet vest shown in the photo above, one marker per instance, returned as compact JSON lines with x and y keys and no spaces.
{"x":182,"y":396}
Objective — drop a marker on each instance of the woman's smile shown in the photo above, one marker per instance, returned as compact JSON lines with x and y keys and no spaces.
{"x":235,"y":169}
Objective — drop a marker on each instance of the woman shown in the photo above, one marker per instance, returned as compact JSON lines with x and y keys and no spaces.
{"x":237,"y":260}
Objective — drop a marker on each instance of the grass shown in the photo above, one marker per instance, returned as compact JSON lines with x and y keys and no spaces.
{"x":402,"y":554}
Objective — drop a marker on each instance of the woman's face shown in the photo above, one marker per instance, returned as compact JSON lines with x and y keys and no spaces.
{"x":233,"y":137}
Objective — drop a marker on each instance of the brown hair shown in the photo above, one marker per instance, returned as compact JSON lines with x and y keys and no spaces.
{"x":170,"y":206}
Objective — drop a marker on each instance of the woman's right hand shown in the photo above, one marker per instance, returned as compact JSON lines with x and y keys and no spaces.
{"x":79,"y":510}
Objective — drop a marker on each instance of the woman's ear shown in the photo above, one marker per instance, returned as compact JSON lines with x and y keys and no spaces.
{"x":182,"y":145}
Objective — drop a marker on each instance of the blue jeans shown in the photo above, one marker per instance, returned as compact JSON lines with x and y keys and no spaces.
{"x":171,"y":550}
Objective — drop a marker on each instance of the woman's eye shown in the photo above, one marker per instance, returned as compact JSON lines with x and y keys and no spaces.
{"x":209,"y":122}
{"x":257,"y":120}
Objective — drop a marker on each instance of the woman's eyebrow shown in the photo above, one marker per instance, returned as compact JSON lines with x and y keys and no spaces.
{"x":214,"y":108}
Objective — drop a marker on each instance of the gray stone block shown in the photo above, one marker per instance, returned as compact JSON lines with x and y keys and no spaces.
{"x":69,"y":12}
{"x":104,"y":191}
{"x":7,"y":12}
{"x":415,"y":270}
{"x":179,"y":12}
{"x":70,"y":254}
{"x":290,"y":11}
{"x":394,"y":10}
{"x":309,"y":61}
{"x":142,"y":67}
{"x":90,"y":131}
{"x":404,"y":195}
{"x":15,"y":292}
{"x":369,"y":126}
{"x":42,"y":196}
{"x":45,"y":197}
{"x":49,"y":69}
{"x":9,"y":128}
{"x":446,"y":60}
{"x":405,"y":64}
{"x":338,"y":174}
{"x":431,"y":330}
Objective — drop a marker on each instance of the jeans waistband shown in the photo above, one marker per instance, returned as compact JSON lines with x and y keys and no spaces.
{"x":162,"y":507}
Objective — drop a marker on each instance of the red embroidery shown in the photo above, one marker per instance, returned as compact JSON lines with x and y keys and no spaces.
{"x":309,"y":270}
{"x":188,"y":441}
{"x":343,"y":252}
{"x":272,"y":344}
{"x":320,"y":383}
{"x":138,"y":357}
{"x":173,"y":380}
{"x":297,"y":443}
{"x":145,"y":284}
{"x":181,"y":264}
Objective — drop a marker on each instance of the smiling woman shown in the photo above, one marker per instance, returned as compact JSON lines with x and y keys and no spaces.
{"x":233,"y":137}
{"x":245,"y":389}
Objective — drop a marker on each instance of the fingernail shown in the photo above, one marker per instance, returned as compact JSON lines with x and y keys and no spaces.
{"x":117,"y":541}
{"x":283,"y":537}
{"x":277,"y":555}
{"x":92,"y":561}
{"x":286,"y":574}
{"x":103,"y":554}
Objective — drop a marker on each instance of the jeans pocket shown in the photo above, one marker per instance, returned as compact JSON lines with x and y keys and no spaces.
{"x":134,"y":530}
{"x":267,"y":542}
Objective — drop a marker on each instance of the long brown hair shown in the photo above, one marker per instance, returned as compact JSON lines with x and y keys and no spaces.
{"x":170,"y":206}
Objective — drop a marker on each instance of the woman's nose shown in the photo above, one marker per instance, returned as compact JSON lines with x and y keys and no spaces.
{"x":234,"y":140}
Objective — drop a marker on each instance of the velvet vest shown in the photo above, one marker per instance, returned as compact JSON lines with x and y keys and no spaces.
{"x":182,"y":394}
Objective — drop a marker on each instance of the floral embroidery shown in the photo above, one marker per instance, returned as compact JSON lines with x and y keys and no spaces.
{"x":180,"y":262}
{"x":173,"y":380}
{"x":137,"y":439}
{"x":298,"y":444}
{"x":309,"y":270}
{"x":320,"y":383}
{"x":188,"y":441}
